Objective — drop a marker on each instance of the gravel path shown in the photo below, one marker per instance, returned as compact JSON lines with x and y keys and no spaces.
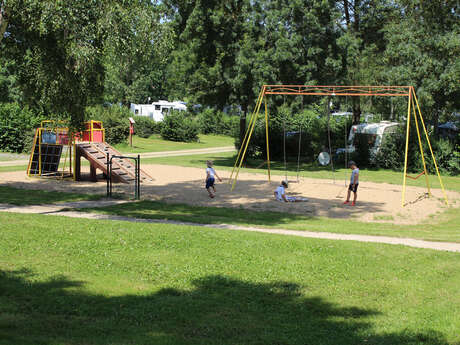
{"x":60,"y":210}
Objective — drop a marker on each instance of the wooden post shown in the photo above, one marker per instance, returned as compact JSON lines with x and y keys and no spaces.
{"x":92,"y":170}
{"x":77,"y":163}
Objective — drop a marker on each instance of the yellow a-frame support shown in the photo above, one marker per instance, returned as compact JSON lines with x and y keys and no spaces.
{"x":415,"y":107}
{"x":413,"y":110}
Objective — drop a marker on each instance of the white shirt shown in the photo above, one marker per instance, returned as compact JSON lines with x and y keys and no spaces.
{"x":210,"y":171}
{"x":280,"y":191}
{"x":353,"y":175}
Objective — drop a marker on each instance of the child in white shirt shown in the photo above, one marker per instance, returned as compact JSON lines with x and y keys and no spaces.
{"x":354,"y":182}
{"x":210,"y":179}
{"x":280,"y":194}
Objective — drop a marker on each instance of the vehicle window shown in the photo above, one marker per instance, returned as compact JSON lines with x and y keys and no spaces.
{"x":136,"y":111}
{"x":157,"y":107}
{"x":164,"y":110}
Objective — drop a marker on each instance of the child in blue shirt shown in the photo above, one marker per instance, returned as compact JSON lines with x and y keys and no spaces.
{"x":354,"y":182}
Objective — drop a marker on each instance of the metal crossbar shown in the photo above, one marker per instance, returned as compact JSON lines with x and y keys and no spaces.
{"x":413,"y":110}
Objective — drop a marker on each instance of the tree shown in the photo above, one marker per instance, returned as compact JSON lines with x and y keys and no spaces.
{"x":57,"y":47}
{"x":228,"y":50}
{"x":362,"y":43}
{"x":3,"y":19}
{"x":136,"y":69}
{"x":423,"y":46}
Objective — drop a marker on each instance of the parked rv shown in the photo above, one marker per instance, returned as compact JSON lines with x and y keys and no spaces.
{"x":157,"y":110}
{"x":375,"y":134}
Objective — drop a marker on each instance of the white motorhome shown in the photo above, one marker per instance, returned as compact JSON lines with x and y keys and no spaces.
{"x":375,"y":133}
{"x":156,"y":110}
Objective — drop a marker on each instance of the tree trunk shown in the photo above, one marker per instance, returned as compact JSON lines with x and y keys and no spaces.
{"x":3,"y":20}
{"x":356,"y":110}
{"x":347,"y":12}
{"x":357,"y":19}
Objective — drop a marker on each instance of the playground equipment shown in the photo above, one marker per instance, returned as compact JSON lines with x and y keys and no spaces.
{"x":413,"y":111}
{"x":52,"y":139}
{"x":137,"y":174}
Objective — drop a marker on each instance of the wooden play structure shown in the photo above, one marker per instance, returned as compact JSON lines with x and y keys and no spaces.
{"x":413,"y":112}
{"x":57,"y":153}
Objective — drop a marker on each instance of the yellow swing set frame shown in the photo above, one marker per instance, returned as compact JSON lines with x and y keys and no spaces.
{"x":413,"y":110}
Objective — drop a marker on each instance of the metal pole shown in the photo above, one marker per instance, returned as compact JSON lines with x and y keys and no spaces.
{"x":240,"y":151}
{"x":431,"y":149}
{"x":138,"y":176}
{"x":266,"y":138}
{"x":250,"y":131}
{"x":407,"y":148}
{"x":108,"y":174}
{"x":420,"y":146}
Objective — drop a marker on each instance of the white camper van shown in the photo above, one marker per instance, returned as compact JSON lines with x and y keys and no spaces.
{"x":375,"y":133}
{"x":156,"y":110}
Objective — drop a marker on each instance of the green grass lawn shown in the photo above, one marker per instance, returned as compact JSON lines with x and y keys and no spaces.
{"x":226,"y":160}
{"x":22,"y":197}
{"x":443,"y":228}
{"x":72,"y":281}
{"x":156,"y":144}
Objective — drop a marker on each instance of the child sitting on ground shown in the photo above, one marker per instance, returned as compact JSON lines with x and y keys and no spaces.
{"x":354,"y":182}
{"x":280,"y":194}
{"x":210,"y":173}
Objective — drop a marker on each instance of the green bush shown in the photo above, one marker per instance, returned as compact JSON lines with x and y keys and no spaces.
{"x":115,"y":120}
{"x":447,"y":157}
{"x":310,"y":126}
{"x":145,"y":126}
{"x":217,"y":122}
{"x":16,"y":127}
{"x":177,"y":126}
{"x":391,"y":154}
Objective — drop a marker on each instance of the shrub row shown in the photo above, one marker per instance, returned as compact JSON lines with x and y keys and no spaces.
{"x":391,"y":154}
{"x":17,"y":125}
{"x":287,"y":129}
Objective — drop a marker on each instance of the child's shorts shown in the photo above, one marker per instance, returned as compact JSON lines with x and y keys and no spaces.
{"x":210,"y":182}
{"x":350,"y":187}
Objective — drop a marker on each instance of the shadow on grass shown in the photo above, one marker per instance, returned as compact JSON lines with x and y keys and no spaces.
{"x":10,"y":194}
{"x":217,"y":310}
{"x":199,"y":214}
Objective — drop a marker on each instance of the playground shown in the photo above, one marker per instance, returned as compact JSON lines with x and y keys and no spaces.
{"x":175,"y":184}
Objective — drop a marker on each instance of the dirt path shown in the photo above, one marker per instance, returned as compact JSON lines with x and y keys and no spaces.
{"x":58,"y":210}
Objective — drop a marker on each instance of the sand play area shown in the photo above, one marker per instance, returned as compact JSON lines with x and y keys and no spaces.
{"x":377,"y":202}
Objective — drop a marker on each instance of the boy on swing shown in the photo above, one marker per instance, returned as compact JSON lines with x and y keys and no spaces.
{"x":354,"y":182}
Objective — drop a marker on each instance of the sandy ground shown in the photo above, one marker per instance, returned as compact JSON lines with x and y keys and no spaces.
{"x":377,"y":202}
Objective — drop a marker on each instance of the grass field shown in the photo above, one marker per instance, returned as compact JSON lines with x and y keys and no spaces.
{"x":69,"y":281}
{"x":156,"y":144}
{"x":23,"y":197}
{"x":440,"y":229}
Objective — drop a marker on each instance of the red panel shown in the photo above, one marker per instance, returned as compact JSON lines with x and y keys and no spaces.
{"x":97,"y":137}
